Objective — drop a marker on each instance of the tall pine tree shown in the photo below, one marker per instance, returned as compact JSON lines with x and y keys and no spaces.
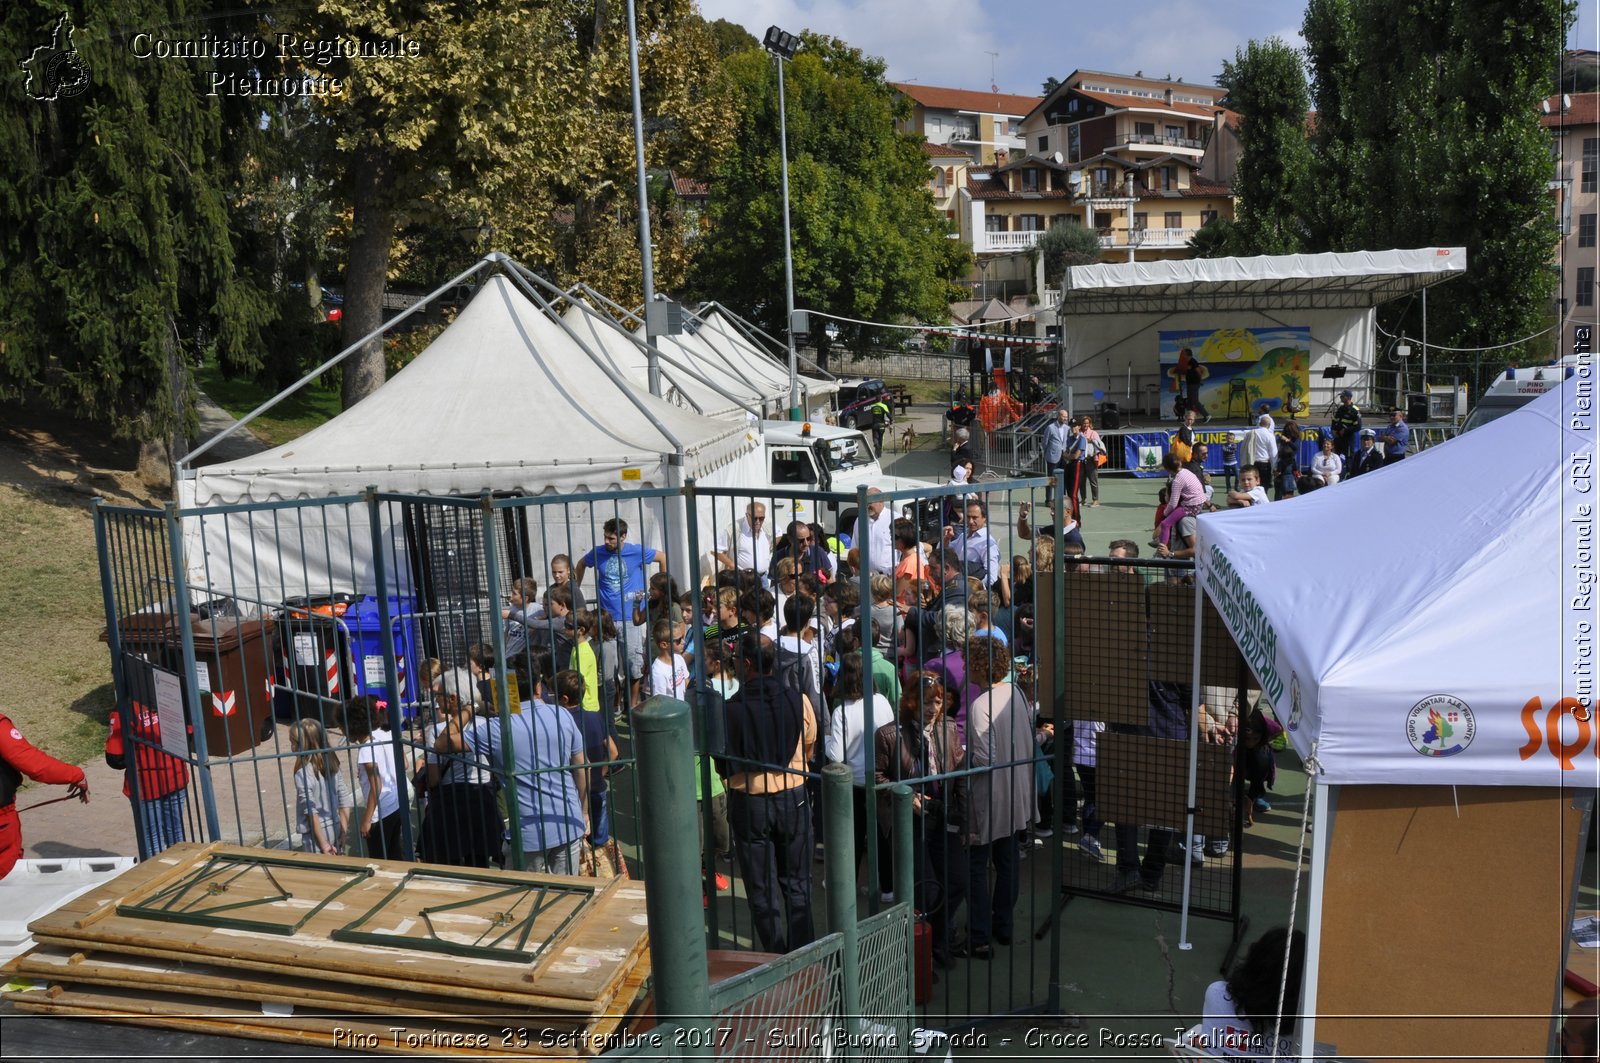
{"x":1267,"y":85}
{"x":116,"y":248}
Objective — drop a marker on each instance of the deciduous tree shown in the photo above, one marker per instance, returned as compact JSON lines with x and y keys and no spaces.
{"x":867,"y":240}
{"x":1267,"y":85}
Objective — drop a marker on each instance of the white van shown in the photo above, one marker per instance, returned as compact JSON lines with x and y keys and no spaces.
{"x":822,"y":457}
{"x":1515,"y":388}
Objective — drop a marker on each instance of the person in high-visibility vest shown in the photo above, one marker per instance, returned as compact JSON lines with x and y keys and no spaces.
{"x":19,"y":758}
{"x":882,"y":418}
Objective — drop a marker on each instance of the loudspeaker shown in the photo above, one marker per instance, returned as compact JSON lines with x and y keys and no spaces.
{"x":1110,"y":415}
{"x":1416,"y":409}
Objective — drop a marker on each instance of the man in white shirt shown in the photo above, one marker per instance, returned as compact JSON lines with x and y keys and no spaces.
{"x":980,"y":551}
{"x":1263,"y":447}
{"x":747,"y":543}
{"x":875,"y":534}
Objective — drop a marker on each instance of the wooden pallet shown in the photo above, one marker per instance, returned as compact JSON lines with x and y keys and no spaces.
{"x":557,"y":960}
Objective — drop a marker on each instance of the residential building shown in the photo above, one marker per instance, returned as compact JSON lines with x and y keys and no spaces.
{"x":1574,"y":124}
{"x":691,"y":198}
{"x":946,"y":177}
{"x":975,"y":123}
{"x":1144,"y":162}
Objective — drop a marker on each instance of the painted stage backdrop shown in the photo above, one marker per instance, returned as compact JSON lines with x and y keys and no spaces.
{"x":1239,"y":372}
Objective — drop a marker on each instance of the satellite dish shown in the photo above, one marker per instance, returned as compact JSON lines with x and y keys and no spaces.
{"x":1059,"y":158}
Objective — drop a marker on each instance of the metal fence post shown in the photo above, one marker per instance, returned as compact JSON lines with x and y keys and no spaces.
{"x":391,"y":674}
{"x":839,"y":872}
{"x":119,"y":679}
{"x":664,"y":752}
{"x":869,"y":725}
{"x":1058,"y":714}
{"x":698,"y":705}
{"x":503,"y":709}
{"x":905,"y":875}
{"x":197,"y":720}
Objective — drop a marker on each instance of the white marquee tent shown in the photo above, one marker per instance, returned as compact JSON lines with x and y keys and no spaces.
{"x":1426,"y":634}
{"x":504,"y":400}
{"x":1400,"y":622}
{"x":719,"y":338}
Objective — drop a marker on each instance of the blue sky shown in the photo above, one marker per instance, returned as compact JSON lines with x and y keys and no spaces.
{"x":946,"y":42}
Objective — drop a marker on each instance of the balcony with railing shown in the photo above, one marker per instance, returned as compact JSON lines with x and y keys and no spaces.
{"x":1003,"y":243}
{"x":1151,"y":238}
{"x":1161,"y":141}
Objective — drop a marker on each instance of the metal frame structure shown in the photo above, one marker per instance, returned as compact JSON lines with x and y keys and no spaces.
{"x":219,"y":875}
{"x":503,"y":925}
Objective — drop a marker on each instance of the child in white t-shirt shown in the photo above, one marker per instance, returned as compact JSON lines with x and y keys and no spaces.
{"x":381,"y":814}
{"x":669,"y":672}
{"x":1250,"y":492}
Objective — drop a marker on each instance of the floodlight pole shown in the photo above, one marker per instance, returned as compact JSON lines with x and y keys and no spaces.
{"x":775,"y":43}
{"x":652,"y":363}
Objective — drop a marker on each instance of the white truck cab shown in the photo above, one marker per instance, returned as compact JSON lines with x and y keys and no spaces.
{"x":1515,"y":388}
{"x":811,"y":456}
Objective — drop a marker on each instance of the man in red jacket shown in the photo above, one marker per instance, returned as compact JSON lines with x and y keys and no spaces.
{"x":19,"y":758}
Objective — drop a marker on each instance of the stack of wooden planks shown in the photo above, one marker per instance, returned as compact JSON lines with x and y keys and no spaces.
{"x":347,"y":953}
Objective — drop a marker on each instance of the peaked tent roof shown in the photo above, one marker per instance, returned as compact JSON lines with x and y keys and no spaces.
{"x":503,"y":399}
{"x":1415,"y":662}
{"x":679,"y":387}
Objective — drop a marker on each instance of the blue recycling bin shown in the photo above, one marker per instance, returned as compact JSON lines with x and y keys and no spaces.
{"x":367,"y":644}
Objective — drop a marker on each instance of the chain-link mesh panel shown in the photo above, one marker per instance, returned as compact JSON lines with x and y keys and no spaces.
{"x":885,"y":988}
{"x":787,"y":1009}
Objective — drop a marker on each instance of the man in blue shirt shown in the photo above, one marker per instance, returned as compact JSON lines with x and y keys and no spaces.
{"x":552,"y":785}
{"x":619,"y":570}
{"x":620,"y":581}
{"x":1396,"y":437}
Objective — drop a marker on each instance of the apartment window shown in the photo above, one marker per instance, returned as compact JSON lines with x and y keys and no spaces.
{"x":1141,"y":220}
{"x":1164,"y":177}
{"x":1030,"y":223}
{"x":1073,"y":144}
{"x":994,"y":223}
{"x":1102,"y":178}
{"x":1585,"y":286}
{"x":1591,"y":163}
{"x":1144,"y":130}
{"x":1028,"y":181}
{"x":938,"y":179}
{"x":1586,"y":230}
{"x":1173,"y":219}
{"x":1207,"y":217}
{"x":1044,"y":143}
{"x":1174,"y":133}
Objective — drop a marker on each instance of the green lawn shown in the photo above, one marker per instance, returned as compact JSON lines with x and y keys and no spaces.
{"x":289,"y":419}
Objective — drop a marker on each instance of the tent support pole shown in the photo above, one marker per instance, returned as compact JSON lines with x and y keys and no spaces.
{"x":600,"y":363}
{"x":188,"y":459}
{"x":1184,"y":944}
{"x":1321,"y":844}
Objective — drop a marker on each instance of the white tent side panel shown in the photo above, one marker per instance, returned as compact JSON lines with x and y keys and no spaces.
{"x":1417,"y":624}
{"x":1102,"y":348}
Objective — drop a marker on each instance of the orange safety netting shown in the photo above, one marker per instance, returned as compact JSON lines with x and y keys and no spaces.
{"x":998,"y":410}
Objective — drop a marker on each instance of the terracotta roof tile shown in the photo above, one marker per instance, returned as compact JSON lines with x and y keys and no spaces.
{"x":1585,"y":110}
{"x":943,"y":151}
{"x":967,"y":100}
{"x":689,"y":187}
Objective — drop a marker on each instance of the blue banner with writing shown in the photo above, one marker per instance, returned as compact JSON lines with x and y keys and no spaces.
{"x":1143,"y":451}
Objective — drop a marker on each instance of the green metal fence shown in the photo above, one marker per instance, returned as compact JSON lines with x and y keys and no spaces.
{"x":261,"y":627}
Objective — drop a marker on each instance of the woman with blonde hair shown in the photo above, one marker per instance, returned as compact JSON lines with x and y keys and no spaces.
{"x":322,"y":799}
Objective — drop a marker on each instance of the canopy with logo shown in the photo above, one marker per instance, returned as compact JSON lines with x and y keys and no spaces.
{"x":1431,"y":622}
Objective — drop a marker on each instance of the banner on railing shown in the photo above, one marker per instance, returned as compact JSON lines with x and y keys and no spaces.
{"x":1143,"y":451}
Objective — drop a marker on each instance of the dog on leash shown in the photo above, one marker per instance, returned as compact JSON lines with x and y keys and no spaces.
{"x":908,"y":437}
